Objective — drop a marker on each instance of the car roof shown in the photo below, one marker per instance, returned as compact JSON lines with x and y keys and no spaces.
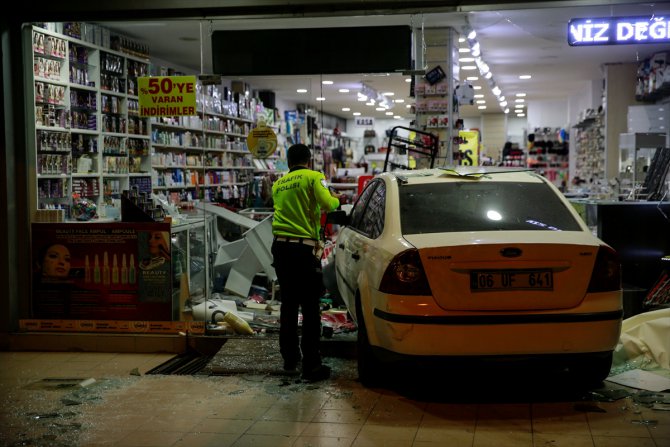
{"x":464,"y":174}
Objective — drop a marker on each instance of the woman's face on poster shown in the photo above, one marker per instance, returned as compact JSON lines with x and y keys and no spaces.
{"x":157,"y":245}
{"x":56,"y":262}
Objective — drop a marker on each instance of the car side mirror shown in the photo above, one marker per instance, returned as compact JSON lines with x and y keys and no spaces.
{"x":337,"y":217}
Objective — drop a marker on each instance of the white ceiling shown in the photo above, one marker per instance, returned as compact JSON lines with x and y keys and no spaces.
{"x":513,"y":42}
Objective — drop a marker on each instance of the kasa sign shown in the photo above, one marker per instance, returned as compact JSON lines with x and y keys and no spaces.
{"x":618,"y":31}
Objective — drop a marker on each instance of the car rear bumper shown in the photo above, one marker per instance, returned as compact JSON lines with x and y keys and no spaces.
{"x":485,"y":364}
{"x":496,"y":334}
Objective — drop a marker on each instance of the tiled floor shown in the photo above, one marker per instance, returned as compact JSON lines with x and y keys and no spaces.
{"x":125,"y":407}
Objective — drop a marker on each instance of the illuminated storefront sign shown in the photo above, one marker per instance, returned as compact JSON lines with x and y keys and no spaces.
{"x":618,"y":30}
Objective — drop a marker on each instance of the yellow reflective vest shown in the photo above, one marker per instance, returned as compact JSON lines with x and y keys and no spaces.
{"x":299,"y":197}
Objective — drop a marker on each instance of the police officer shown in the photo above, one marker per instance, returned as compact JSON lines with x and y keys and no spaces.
{"x":299,"y":197}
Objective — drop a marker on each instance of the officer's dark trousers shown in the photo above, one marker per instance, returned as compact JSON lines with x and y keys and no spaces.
{"x":301,"y":286}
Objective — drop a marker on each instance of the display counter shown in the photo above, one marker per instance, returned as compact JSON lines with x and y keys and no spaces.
{"x":639,"y":231}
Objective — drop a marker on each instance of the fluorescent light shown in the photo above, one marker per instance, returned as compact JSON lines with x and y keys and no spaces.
{"x":302,"y":90}
{"x":520,"y":95}
{"x":461,"y":39}
{"x":481,"y":107}
{"x":327,"y":82}
{"x":389,"y":113}
{"x":343,"y":90}
{"x":468,"y":67}
{"x":397,"y":117}
{"x":525,"y":77}
{"x":320,"y":98}
{"x":357,"y":113}
{"x":488,"y":75}
{"x":506,"y":110}
{"x":380,"y":109}
{"x":479,"y":95}
{"x":398,"y":101}
{"x":409,"y":106}
{"x":521,"y":115}
{"x":519,"y":100}
{"x":466,"y":59}
{"x":345,"y":109}
{"x":481,"y":101}
{"x":472,"y":34}
{"x":388,"y":94}
{"x":477,"y":87}
{"x":503,"y":104}
{"x":472,"y":78}
{"x":408,"y":79}
{"x":464,"y":50}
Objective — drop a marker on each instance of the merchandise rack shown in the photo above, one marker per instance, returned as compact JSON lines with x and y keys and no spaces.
{"x":424,"y":144}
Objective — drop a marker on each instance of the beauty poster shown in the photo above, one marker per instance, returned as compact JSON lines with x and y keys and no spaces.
{"x":119,"y":271}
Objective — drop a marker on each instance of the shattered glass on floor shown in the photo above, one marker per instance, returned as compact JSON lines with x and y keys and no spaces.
{"x":127,"y":407}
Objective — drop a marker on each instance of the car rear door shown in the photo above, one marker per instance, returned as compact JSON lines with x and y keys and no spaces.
{"x":367,"y":223}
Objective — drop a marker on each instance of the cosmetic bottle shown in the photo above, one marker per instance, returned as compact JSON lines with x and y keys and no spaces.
{"x":115,"y":270}
{"x":105,"y":269}
{"x":124,"y":270}
{"x":132,"y":277}
{"x":87,"y":270}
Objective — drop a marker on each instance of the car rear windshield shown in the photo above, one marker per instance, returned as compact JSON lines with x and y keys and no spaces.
{"x":482,"y":206}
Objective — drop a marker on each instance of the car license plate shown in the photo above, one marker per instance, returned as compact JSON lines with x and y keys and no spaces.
{"x":511,"y":280}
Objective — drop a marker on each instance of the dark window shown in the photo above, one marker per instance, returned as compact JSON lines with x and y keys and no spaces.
{"x":362,"y":202}
{"x":367,"y":216}
{"x":372,"y":222}
{"x":482,"y":206}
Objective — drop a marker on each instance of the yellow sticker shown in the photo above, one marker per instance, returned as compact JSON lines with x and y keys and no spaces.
{"x":262,"y":141}
{"x":167,"y":95}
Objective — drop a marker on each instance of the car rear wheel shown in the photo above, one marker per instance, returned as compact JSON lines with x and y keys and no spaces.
{"x":369,"y":370}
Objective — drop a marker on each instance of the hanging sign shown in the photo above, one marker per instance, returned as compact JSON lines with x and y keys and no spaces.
{"x":167,"y":95}
{"x":364,"y":121}
{"x":262,"y":141}
{"x":618,"y":30}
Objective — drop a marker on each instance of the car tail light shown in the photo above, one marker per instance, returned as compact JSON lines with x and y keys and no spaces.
{"x":606,"y":274}
{"x":405,"y":275}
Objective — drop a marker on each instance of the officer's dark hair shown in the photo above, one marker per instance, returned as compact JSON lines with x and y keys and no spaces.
{"x":298,"y":154}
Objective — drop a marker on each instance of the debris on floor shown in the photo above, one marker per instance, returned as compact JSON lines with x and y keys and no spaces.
{"x":641,"y":379}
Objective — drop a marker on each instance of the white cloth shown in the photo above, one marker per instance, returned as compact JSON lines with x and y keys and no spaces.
{"x":646,"y":337}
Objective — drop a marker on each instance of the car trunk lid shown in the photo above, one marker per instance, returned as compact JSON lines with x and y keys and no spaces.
{"x":508,"y":275}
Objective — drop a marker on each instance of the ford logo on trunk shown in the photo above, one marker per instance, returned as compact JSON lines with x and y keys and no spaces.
{"x":511,"y":252}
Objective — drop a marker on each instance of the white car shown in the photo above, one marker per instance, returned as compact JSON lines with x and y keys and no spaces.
{"x":476,"y":262}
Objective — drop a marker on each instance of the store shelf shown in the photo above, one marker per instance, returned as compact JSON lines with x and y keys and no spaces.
{"x":94,"y":127}
{"x":590,"y":150}
{"x":549,"y":156}
{"x":88,"y":107}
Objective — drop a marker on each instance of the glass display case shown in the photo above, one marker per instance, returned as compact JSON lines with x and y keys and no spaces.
{"x":193,"y":247}
{"x":636,"y":151}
